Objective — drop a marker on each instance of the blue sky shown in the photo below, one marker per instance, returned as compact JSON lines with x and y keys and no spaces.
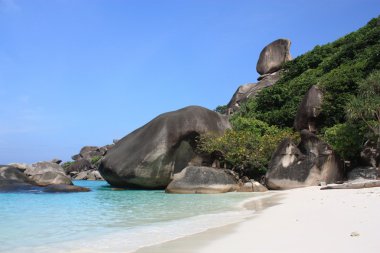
{"x":84,"y":72}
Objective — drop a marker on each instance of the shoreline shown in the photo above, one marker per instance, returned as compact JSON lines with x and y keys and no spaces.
{"x":201,"y":239}
{"x":298,"y":220}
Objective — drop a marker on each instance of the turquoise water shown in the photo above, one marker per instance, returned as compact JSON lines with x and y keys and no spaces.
{"x":109,"y":220}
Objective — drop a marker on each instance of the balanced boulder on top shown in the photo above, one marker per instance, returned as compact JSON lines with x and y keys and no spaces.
{"x":150,"y":155}
{"x":273,"y":56}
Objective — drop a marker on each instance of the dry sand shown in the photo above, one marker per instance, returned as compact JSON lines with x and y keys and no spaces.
{"x":300,"y":220}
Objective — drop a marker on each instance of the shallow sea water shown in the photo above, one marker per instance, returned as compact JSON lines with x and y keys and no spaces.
{"x":110,"y":220}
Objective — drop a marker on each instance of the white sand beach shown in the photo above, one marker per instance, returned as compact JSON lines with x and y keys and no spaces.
{"x":299,"y":220}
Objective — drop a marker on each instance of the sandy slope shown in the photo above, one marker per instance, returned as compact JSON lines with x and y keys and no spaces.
{"x":300,"y":220}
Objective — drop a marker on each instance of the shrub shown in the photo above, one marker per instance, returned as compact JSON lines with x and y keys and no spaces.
{"x":95,"y":160}
{"x":346,"y":139}
{"x":365,"y":107}
{"x":248,"y":148}
{"x":66,"y":165}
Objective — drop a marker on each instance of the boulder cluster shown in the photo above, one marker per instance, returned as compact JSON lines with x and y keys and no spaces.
{"x":86,"y":163}
{"x":163,"y":155}
{"x":52,"y":176}
{"x":41,"y":176}
{"x":370,"y":164}
{"x":312,"y":162}
{"x":269,"y":65}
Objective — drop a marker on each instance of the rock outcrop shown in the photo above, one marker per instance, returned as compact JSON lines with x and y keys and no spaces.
{"x":47,"y":173}
{"x":370,"y":155}
{"x":269,"y":67}
{"x":85,"y":165}
{"x":273,"y":56}
{"x":79,"y":166}
{"x":89,"y":152}
{"x":88,"y":175}
{"x":244,"y":92}
{"x":364,"y":173}
{"x":194,"y":179}
{"x":20,"y":166}
{"x":308,"y":164}
{"x":309,"y":110}
{"x":252,"y":186}
{"x":14,"y":180}
{"x":149,"y":156}
{"x":50,"y":178}
{"x":200,"y":179}
{"x":64,"y":188}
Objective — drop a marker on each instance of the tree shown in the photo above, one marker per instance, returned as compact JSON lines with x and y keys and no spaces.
{"x":366,"y":105}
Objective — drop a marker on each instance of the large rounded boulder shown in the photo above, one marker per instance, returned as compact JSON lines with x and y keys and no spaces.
{"x":273,"y":56}
{"x":149,"y":156}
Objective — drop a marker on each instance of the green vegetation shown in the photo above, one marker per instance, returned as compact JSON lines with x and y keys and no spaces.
{"x":365,"y":107}
{"x":247,"y":148}
{"x":221,"y":109}
{"x":67,"y":164}
{"x":346,"y":139}
{"x":347,"y":71}
{"x":95,"y":160}
{"x":337,"y":68}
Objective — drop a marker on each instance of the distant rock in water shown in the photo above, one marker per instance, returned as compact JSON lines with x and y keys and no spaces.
{"x":149,"y":156}
{"x":79,"y":166}
{"x":64,"y":188}
{"x":273,"y":56}
{"x":56,"y":160}
{"x":14,"y":180}
{"x":89,"y":152}
{"x":85,"y":164}
{"x":309,"y":110}
{"x":47,"y":173}
{"x":88,"y":175}
{"x":308,"y":164}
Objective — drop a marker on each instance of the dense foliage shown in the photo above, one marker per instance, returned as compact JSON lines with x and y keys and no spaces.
{"x":365,"y":107}
{"x":247,"y":148}
{"x":66,"y":165}
{"x":337,"y":68}
{"x":346,"y":139}
{"x":350,"y":112}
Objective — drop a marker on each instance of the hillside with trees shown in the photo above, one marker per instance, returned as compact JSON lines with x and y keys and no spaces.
{"x":347,"y":71}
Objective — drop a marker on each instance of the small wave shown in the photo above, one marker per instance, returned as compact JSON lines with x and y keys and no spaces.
{"x":131,"y":239}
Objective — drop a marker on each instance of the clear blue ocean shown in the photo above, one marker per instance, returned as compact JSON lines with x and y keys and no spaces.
{"x":109,"y":220}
